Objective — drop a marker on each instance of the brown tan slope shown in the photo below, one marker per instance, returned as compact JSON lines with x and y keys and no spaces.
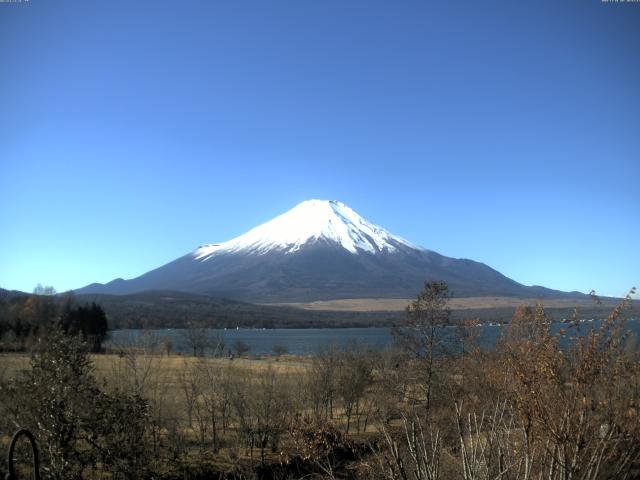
{"x":399,"y":304}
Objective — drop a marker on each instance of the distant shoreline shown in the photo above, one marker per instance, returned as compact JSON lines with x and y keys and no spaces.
{"x":462,"y":303}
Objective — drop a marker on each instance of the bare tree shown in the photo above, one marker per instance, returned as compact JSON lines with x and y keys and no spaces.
{"x":167,"y":345}
{"x":135,"y":366}
{"x":214,"y":397}
{"x":262,"y":409}
{"x":420,"y":335}
{"x":241,"y":347}
{"x":412,"y":454}
{"x":280,"y":349}
{"x":353,"y":379}
{"x":321,"y":382}
{"x":195,"y":338}
{"x":189,"y":382}
{"x":140,"y":369}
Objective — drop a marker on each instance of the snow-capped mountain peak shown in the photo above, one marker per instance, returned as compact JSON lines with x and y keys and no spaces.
{"x":319,"y":250}
{"x":308,"y":222}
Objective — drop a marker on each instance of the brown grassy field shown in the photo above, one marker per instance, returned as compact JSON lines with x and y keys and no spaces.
{"x":399,"y":304}
{"x":161,"y":379}
{"x":10,"y":363}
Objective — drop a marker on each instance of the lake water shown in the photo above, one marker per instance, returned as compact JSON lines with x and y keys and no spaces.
{"x":310,"y":341}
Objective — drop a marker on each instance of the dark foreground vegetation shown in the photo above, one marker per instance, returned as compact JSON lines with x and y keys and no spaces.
{"x":527,"y":410}
{"x":24,"y":319}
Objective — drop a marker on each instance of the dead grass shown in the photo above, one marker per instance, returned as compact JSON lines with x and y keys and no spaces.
{"x":399,"y":304}
{"x":10,"y":363}
{"x":172,"y":366}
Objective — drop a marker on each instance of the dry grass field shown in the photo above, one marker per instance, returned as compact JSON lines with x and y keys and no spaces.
{"x":399,"y":304}
{"x":168,"y":381}
{"x":109,"y":366}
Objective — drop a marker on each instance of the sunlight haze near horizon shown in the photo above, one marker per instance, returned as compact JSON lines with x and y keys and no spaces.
{"x":504,"y":132}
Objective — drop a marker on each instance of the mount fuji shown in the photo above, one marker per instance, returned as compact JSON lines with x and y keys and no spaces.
{"x":319,"y":250}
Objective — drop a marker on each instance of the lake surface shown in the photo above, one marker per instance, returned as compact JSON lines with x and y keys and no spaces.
{"x":309,"y":341}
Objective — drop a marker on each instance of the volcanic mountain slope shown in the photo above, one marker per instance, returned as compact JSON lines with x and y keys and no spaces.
{"x":319,"y":250}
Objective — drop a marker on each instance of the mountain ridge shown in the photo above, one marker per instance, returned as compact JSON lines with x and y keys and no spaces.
{"x":319,"y":250}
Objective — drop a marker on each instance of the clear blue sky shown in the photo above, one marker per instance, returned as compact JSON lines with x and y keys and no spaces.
{"x":507,"y":132}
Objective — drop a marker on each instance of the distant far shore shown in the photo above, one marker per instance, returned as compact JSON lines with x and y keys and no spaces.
{"x":467,"y":303}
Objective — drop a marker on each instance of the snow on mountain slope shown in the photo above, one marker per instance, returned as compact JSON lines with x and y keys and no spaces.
{"x":310,"y":221}
{"x":319,"y":250}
